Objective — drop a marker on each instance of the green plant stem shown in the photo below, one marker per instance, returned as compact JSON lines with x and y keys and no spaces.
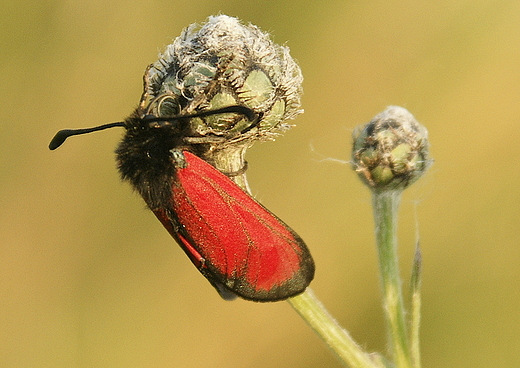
{"x":415,"y":315}
{"x":386,"y":204}
{"x":231,"y":159}
{"x":317,"y":317}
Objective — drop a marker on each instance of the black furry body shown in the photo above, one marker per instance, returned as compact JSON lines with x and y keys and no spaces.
{"x":145,"y":154}
{"x":144,"y":158}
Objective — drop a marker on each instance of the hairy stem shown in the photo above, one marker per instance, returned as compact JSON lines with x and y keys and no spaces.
{"x":339,"y":340}
{"x":385,"y":205}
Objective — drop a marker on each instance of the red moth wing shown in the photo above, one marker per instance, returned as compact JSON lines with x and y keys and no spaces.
{"x":233,"y":239}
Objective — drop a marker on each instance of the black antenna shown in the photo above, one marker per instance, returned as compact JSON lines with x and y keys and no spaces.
{"x":62,"y":135}
{"x":246,"y":111}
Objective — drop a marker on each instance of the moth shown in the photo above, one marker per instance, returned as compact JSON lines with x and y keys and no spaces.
{"x":235,"y":242}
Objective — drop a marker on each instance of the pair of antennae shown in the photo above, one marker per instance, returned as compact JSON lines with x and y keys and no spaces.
{"x":62,"y":135}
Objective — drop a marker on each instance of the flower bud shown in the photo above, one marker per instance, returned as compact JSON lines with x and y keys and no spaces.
{"x":391,"y":152}
{"x":225,"y":63}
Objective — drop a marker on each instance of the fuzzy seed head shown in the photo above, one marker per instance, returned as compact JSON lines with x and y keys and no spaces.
{"x":391,"y":152}
{"x":224,"y":63}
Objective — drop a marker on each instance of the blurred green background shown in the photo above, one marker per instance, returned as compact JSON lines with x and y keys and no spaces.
{"x":89,"y":278}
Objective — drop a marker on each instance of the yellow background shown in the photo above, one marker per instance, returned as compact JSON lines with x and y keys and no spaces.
{"x":89,"y":278}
